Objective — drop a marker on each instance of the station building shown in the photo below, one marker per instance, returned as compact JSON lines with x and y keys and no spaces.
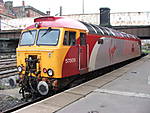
{"x":8,"y":11}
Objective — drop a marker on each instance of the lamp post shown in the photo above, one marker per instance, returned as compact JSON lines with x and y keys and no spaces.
{"x":83,"y":6}
{"x":60,"y":13}
{"x":0,"y":22}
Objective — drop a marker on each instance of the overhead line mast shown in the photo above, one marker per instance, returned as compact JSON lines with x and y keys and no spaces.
{"x":83,"y":6}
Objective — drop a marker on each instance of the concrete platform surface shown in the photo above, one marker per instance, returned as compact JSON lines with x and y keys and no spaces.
{"x":125,"y":90}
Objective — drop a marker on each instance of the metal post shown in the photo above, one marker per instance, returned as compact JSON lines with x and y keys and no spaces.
{"x":83,"y":6}
{"x":60,"y":11}
{"x":0,"y":23}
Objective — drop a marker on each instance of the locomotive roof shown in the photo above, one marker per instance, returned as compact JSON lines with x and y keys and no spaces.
{"x":96,"y":29}
{"x":58,"y":22}
{"x":71,"y":23}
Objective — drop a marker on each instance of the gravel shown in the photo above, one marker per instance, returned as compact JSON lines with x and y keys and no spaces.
{"x":7,"y":102}
{"x":9,"y":96}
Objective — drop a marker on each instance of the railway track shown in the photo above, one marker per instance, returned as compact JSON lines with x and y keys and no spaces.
{"x":7,"y":67}
{"x":87,"y":78}
{"x":8,"y":73}
{"x":7,"y":55}
{"x":23,"y":104}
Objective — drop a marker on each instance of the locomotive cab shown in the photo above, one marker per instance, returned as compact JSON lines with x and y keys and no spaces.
{"x":47,"y":53}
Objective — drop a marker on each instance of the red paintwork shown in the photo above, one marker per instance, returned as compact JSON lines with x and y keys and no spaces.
{"x":83,"y":57}
{"x":71,"y":67}
{"x":91,"y":40}
{"x":58,"y":22}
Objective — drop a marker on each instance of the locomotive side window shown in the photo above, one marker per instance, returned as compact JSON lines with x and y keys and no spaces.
{"x":69,"y":38}
{"x":82,"y":39}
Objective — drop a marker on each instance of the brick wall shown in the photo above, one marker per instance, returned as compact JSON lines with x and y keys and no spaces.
{"x":31,"y":13}
{"x":2,"y":9}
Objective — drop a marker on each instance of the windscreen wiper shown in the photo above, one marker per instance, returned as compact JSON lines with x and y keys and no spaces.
{"x":48,"y":30}
{"x":30,"y":33}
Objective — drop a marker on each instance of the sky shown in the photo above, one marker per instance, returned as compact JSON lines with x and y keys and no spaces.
{"x":90,"y":6}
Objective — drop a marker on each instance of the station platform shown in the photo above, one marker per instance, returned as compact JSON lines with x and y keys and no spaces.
{"x":125,"y":90}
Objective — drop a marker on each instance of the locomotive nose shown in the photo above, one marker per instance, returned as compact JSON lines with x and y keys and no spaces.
{"x":32,"y":64}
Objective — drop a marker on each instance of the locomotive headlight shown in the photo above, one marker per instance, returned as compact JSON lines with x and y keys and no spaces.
{"x":19,"y":69}
{"x":44,"y":70}
{"x":50,"y":72}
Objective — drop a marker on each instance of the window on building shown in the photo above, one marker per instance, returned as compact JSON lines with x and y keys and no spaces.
{"x":69,"y":38}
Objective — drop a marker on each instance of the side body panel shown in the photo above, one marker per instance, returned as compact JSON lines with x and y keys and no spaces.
{"x":75,"y":60}
{"x":71,"y":62}
{"x":113,"y":50}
